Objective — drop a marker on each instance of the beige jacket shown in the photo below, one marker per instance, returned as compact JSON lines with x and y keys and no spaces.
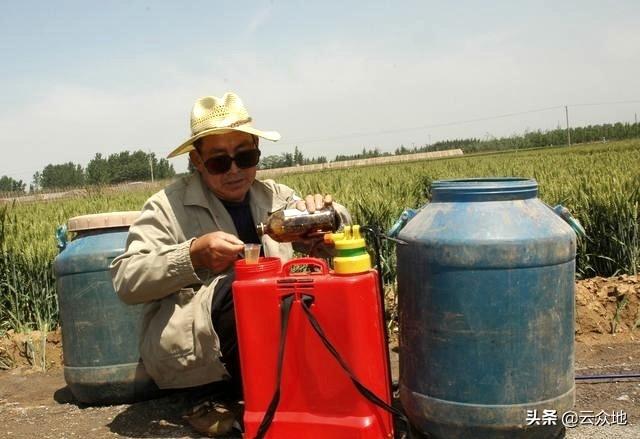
{"x":179,"y":347}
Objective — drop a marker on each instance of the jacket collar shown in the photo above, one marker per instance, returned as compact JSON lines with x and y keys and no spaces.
{"x":263,"y":200}
{"x":196,"y":192}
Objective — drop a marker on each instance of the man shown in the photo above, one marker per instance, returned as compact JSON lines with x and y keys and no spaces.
{"x":180,"y":253}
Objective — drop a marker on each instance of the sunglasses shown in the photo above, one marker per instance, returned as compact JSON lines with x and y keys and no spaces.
{"x":222,"y":163}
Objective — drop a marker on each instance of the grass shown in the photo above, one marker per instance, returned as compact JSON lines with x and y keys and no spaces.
{"x":621,"y":304}
{"x":599,"y":183}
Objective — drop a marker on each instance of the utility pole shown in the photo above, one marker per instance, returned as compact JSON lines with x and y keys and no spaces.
{"x":566,"y":111}
{"x":151,"y":165}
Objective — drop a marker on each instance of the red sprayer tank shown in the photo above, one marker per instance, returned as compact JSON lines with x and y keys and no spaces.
{"x":317,"y":397}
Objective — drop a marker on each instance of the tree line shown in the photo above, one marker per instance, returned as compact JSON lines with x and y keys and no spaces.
{"x":365,"y":154}
{"x":530,"y":139}
{"x":288,"y":159}
{"x":119,"y":167}
{"x":8,"y":184}
{"x":536,"y":139}
{"x":135,"y":166}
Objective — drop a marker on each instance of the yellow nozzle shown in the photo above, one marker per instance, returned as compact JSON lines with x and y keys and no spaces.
{"x":349,"y":238}
{"x":352,"y":254}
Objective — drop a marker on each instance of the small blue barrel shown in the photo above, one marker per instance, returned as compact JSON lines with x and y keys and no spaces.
{"x":486,"y":311}
{"x":100,"y":334}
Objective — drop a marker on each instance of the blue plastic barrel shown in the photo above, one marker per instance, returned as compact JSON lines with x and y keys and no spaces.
{"x":486,"y":312}
{"x":100,"y":334}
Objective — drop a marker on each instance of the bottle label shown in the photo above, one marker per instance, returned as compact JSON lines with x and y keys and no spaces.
{"x":288,"y":213}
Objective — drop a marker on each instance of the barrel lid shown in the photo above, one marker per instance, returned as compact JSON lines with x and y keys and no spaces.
{"x":484,"y":189}
{"x":102,"y":221}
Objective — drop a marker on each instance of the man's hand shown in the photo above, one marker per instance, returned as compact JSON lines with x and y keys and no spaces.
{"x":311,"y":203}
{"x":215,"y":251}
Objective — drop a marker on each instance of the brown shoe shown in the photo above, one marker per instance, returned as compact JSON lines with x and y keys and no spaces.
{"x":215,"y":419}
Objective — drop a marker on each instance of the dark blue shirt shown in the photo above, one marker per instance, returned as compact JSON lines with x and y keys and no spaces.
{"x":240,"y":213}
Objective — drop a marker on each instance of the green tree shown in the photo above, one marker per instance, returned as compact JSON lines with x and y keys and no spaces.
{"x":271,"y":162}
{"x":8,"y":184}
{"x":287,"y":159}
{"x":61,"y":176}
{"x":37,"y":182}
{"x":365,"y":154}
{"x":314,"y":160}
{"x":127,"y":166}
{"x":162,"y":168}
{"x":402,"y":150}
{"x":98,"y":170}
{"x":298,"y":158}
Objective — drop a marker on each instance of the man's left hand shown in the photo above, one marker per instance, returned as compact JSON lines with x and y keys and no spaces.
{"x":311,"y":203}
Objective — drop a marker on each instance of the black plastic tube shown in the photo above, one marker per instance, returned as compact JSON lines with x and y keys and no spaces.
{"x":609,"y":377}
{"x":606,"y":378}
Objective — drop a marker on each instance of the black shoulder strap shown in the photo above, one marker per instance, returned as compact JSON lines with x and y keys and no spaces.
{"x":367,"y":393}
{"x":285,"y":310}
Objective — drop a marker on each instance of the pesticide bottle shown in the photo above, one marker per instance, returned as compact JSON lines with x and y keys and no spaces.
{"x":289,"y":225}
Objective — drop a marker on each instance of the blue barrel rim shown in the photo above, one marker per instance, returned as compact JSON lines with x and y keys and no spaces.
{"x":77,"y":259}
{"x":484,"y":189}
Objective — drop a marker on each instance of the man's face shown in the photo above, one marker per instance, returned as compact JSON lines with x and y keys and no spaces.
{"x":234,"y":184}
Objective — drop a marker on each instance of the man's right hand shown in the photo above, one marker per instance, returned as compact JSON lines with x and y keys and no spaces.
{"x":215,"y":251}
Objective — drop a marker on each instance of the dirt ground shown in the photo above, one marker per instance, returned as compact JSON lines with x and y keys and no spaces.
{"x":34,"y":403}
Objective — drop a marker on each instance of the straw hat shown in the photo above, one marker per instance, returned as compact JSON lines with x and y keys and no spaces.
{"x":213,"y":115}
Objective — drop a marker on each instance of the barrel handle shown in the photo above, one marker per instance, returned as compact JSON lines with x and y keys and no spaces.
{"x":564,"y":213}
{"x":407,"y":215}
{"x":320,"y":263}
{"x":61,"y":237}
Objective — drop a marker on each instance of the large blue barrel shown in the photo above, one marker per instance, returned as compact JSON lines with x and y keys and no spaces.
{"x":486,"y":311}
{"x":100,"y":334}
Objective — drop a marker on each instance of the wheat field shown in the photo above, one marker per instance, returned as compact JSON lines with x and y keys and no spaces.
{"x":599,"y":183}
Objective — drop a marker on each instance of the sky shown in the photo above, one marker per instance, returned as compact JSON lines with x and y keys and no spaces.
{"x":80,"y":78}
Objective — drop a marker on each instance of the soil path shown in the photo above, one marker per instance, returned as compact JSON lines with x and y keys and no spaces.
{"x":38,"y":404}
